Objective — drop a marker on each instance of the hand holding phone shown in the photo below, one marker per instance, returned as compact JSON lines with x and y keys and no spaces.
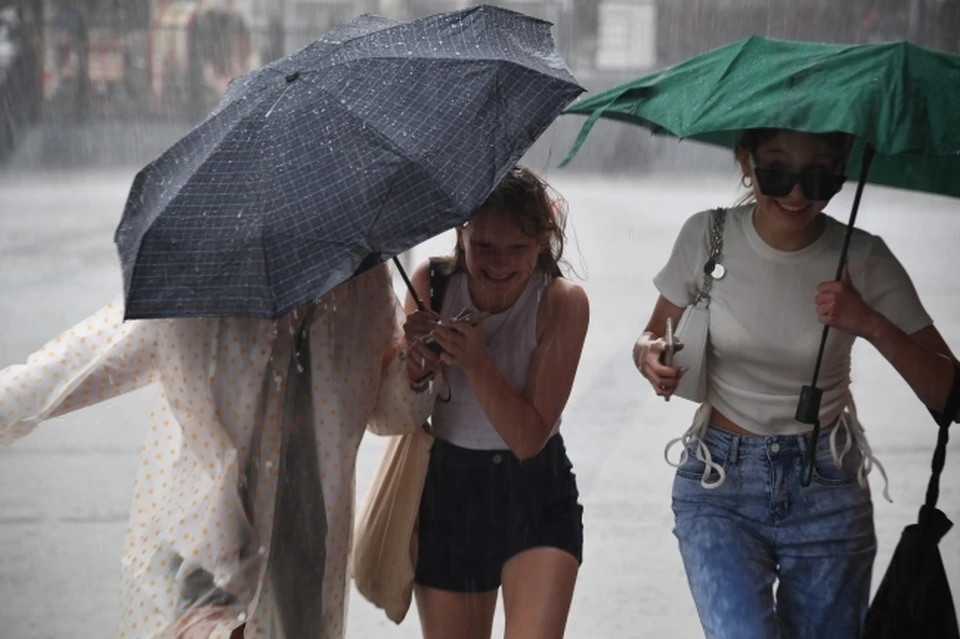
{"x":669,"y":348}
{"x":670,"y":344}
{"x":431,"y":343}
{"x":470,"y":317}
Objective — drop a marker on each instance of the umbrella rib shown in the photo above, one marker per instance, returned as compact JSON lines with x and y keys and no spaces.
{"x":393,"y":146}
{"x":277,"y":101}
{"x":263,"y":239}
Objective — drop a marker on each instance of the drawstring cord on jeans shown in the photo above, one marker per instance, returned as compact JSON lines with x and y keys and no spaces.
{"x":701,"y":421}
{"x":855,"y":432}
{"x":848,"y":421}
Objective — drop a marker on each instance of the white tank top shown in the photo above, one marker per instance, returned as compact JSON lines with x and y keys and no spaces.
{"x":511,"y":338}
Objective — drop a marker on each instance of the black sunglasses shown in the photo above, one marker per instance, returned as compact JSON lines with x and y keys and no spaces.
{"x":817,"y":183}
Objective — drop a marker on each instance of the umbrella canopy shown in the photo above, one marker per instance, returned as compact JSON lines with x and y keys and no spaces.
{"x":914,"y":598}
{"x":895,"y":99}
{"x":899,"y":98}
{"x":377,"y":136}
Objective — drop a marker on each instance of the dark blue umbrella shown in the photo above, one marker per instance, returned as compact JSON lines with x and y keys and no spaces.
{"x":374,"y":138}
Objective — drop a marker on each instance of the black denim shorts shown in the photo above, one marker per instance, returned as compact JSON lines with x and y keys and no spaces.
{"x":482,"y":507}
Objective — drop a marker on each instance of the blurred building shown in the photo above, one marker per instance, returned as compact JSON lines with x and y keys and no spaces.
{"x":168,"y":61}
{"x":689,"y":27}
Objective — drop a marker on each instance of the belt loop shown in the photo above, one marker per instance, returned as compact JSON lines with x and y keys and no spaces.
{"x":734,"y":448}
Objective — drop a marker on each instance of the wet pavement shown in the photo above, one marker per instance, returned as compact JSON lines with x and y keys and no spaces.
{"x":65,"y":489}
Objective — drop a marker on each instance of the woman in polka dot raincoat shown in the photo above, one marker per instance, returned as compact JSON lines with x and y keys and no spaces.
{"x":231,"y":509}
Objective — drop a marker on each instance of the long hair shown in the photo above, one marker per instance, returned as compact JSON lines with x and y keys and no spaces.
{"x":539,"y":210}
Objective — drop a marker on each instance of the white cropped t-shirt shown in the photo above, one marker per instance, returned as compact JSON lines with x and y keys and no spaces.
{"x":764,"y":330}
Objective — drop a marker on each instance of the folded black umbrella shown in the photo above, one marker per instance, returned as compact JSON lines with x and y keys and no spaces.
{"x":914,"y":598}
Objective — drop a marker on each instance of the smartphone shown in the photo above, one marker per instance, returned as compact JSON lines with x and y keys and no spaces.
{"x":470,"y":317}
{"x":431,"y":343}
{"x":671,"y":344}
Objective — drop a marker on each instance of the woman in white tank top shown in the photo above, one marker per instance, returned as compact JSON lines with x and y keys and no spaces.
{"x":500,"y":505}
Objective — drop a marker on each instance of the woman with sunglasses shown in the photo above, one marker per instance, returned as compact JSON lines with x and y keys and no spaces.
{"x":742,"y":518}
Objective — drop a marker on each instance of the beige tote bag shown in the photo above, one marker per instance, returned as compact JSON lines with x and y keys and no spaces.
{"x":385,"y":536}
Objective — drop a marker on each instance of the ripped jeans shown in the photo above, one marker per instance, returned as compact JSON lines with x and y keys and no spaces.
{"x":758,"y":526}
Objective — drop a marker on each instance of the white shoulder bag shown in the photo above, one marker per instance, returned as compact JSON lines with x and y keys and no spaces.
{"x":693,"y":330}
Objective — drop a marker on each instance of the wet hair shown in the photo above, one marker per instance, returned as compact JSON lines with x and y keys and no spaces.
{"x":751,"y":139}
{"x":539,"y":210}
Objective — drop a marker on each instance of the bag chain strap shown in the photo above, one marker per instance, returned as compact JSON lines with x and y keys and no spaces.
{"x":716,"y":249}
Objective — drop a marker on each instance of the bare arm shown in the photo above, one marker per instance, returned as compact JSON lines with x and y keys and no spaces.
{"x":923,"y":359}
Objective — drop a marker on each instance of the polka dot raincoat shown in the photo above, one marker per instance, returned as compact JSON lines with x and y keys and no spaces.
{"x":242,"y":510}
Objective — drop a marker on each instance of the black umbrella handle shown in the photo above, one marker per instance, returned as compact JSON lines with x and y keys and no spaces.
{"x":406,"y":280}
{"x":806,"y":468}
{"x":808,"y":407}
{"x":944,"y":419}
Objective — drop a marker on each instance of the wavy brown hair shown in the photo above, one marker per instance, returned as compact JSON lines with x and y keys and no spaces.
{"x":539,"y":210}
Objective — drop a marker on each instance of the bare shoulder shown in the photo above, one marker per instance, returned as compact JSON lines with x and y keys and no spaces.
{"x":421,"y":275}
{"x":563,"y":295}
{"x":565,"y":306}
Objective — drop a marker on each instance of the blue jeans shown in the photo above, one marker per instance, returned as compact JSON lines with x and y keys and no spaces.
{"x":761,"y":526}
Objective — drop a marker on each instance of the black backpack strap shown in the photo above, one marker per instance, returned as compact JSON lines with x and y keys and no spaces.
{"x":944,"y":420}
{"x":438,"y":284}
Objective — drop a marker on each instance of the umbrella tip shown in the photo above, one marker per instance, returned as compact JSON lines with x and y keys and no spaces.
{"x":293,"y":76}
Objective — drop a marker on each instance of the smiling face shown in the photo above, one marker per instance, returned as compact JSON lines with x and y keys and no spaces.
{"x":816,"y":160}
{"x":500,"y":256}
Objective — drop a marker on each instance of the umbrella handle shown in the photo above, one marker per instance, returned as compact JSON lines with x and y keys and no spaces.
{"x":808,"y":407}
{"x":410,"y":289}
{"x":944,"y":420}
{"x":808,"y":416}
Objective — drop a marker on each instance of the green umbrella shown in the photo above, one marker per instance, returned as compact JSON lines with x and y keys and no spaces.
{"x":898,"y":101}
{"x":899,"y":98}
